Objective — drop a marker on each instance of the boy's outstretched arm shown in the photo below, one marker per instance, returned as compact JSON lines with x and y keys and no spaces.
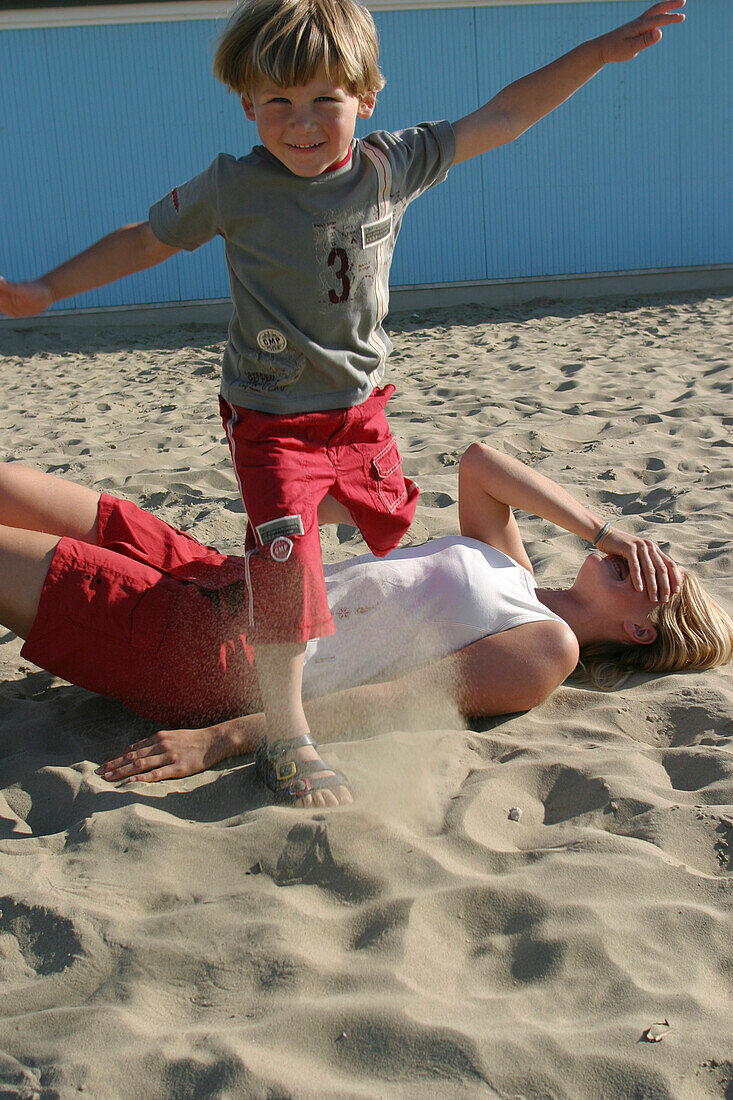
{"x":529,"y":99}
{"x":123,"y":252}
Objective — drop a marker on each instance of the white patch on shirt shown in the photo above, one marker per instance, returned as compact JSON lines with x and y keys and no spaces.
{"x":271,"y":340}
{"x":376,"y":232}
{"x":347,"y":270}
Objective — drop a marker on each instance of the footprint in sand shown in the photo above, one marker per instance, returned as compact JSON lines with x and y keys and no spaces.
{"x":437,"y":500}
{"x":573,"y":795}
{"x":47,"y":961}
{"x":698,"y":769}
{"x":307,"y":858}
{"x":34,"y":941}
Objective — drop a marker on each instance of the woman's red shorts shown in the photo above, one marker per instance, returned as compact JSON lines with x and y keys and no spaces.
{"x":150,"y":617}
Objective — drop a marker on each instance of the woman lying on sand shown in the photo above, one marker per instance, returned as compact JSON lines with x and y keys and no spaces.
{"x":112,"y":599}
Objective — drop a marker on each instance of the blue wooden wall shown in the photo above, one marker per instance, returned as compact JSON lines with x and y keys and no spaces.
{"x":634,"y":173}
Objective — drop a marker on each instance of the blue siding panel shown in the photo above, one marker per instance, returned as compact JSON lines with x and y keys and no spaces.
{"x":594,"y":187}
{"x":429,"y":61}
{"x":133,"y":130}
{"x":706,"y":140}
{"x":33,"y":227}
{"x":634,"y":172}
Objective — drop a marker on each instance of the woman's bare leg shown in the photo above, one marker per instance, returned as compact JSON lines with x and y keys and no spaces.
{"x":24,"y":560}
{"x":34,"y":501}
{"x":35,"y":510}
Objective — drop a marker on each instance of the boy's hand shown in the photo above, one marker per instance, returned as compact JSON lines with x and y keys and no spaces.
{"x":626,"y":42}
{"x":24,"y":299}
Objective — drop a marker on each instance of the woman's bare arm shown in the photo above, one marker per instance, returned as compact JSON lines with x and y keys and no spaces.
{"x":492,"y":483}
{"x":501,"y":674}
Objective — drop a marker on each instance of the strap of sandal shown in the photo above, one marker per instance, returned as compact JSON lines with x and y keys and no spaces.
{"x":288,"y":779}
{"x":271,"y":759}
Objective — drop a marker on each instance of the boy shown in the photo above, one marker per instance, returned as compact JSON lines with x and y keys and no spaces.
{"x":310,"y":219}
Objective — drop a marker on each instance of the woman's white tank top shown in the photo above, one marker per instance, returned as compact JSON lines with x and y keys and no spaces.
{"x":417,"y":605}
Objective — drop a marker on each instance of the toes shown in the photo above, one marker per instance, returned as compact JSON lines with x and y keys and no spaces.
{"x":324,"y":799}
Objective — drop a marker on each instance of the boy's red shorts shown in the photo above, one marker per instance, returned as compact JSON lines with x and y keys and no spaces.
{"x":285,"y":466}
{"x":150,"y":617}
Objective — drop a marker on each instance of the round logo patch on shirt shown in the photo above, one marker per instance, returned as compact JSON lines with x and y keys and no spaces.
{"x":272,"y":340}
{"x":281,"y":548}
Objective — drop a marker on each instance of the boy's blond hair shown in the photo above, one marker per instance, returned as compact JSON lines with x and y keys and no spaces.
{"x":287,"y":41}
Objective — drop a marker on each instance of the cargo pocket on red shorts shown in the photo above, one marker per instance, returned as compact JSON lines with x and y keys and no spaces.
{"x":113,"y":608}
{"x":384,"y":472}
{"x":150,"y":616}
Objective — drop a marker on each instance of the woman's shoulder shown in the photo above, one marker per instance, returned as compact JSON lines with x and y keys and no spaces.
{"x":462,"y":545}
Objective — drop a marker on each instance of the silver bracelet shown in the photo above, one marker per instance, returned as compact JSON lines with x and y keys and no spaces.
{"x":600,"y":534}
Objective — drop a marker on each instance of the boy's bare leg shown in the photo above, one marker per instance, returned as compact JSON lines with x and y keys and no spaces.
{"x":280,"y":677}
{"x":35,"y":501}
{"x":24,"y":560}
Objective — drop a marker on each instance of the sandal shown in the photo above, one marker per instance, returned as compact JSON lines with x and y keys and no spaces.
{"x":290,"y":779}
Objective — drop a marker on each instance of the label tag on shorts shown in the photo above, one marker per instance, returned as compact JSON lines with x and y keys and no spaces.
{"x":376,"y":232}
{"x":277,"y":528}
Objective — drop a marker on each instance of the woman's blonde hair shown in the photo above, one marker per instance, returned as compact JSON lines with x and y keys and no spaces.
{"x":693,"y":632}
{"x":287,"y":41}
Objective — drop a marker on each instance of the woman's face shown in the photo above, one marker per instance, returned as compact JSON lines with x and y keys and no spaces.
{"x":604,"y":583}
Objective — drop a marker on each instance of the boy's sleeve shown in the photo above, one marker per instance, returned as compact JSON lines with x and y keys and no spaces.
{"x":419,"y":157}
{"x":188,"y":216}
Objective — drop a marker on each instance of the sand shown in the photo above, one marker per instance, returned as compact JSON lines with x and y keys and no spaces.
{"x":190,"y":940}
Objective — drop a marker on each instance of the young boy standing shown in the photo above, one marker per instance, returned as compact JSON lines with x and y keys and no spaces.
{"x":310,"y":219}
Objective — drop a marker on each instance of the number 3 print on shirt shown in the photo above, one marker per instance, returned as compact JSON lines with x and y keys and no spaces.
{"x":339,"y":256}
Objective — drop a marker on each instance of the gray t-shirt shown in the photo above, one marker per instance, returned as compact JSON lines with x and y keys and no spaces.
{"x":308,"y":262}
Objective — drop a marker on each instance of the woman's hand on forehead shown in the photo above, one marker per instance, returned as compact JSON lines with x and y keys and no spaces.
{"x":650,"y":569}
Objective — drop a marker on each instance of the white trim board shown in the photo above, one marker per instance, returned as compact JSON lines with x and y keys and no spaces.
{"x":167,"y":11}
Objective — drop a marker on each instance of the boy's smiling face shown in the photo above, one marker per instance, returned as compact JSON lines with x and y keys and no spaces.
{"x":308,"y":127}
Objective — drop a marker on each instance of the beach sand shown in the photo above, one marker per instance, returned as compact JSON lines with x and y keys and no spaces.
{"x":188,"y":939}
